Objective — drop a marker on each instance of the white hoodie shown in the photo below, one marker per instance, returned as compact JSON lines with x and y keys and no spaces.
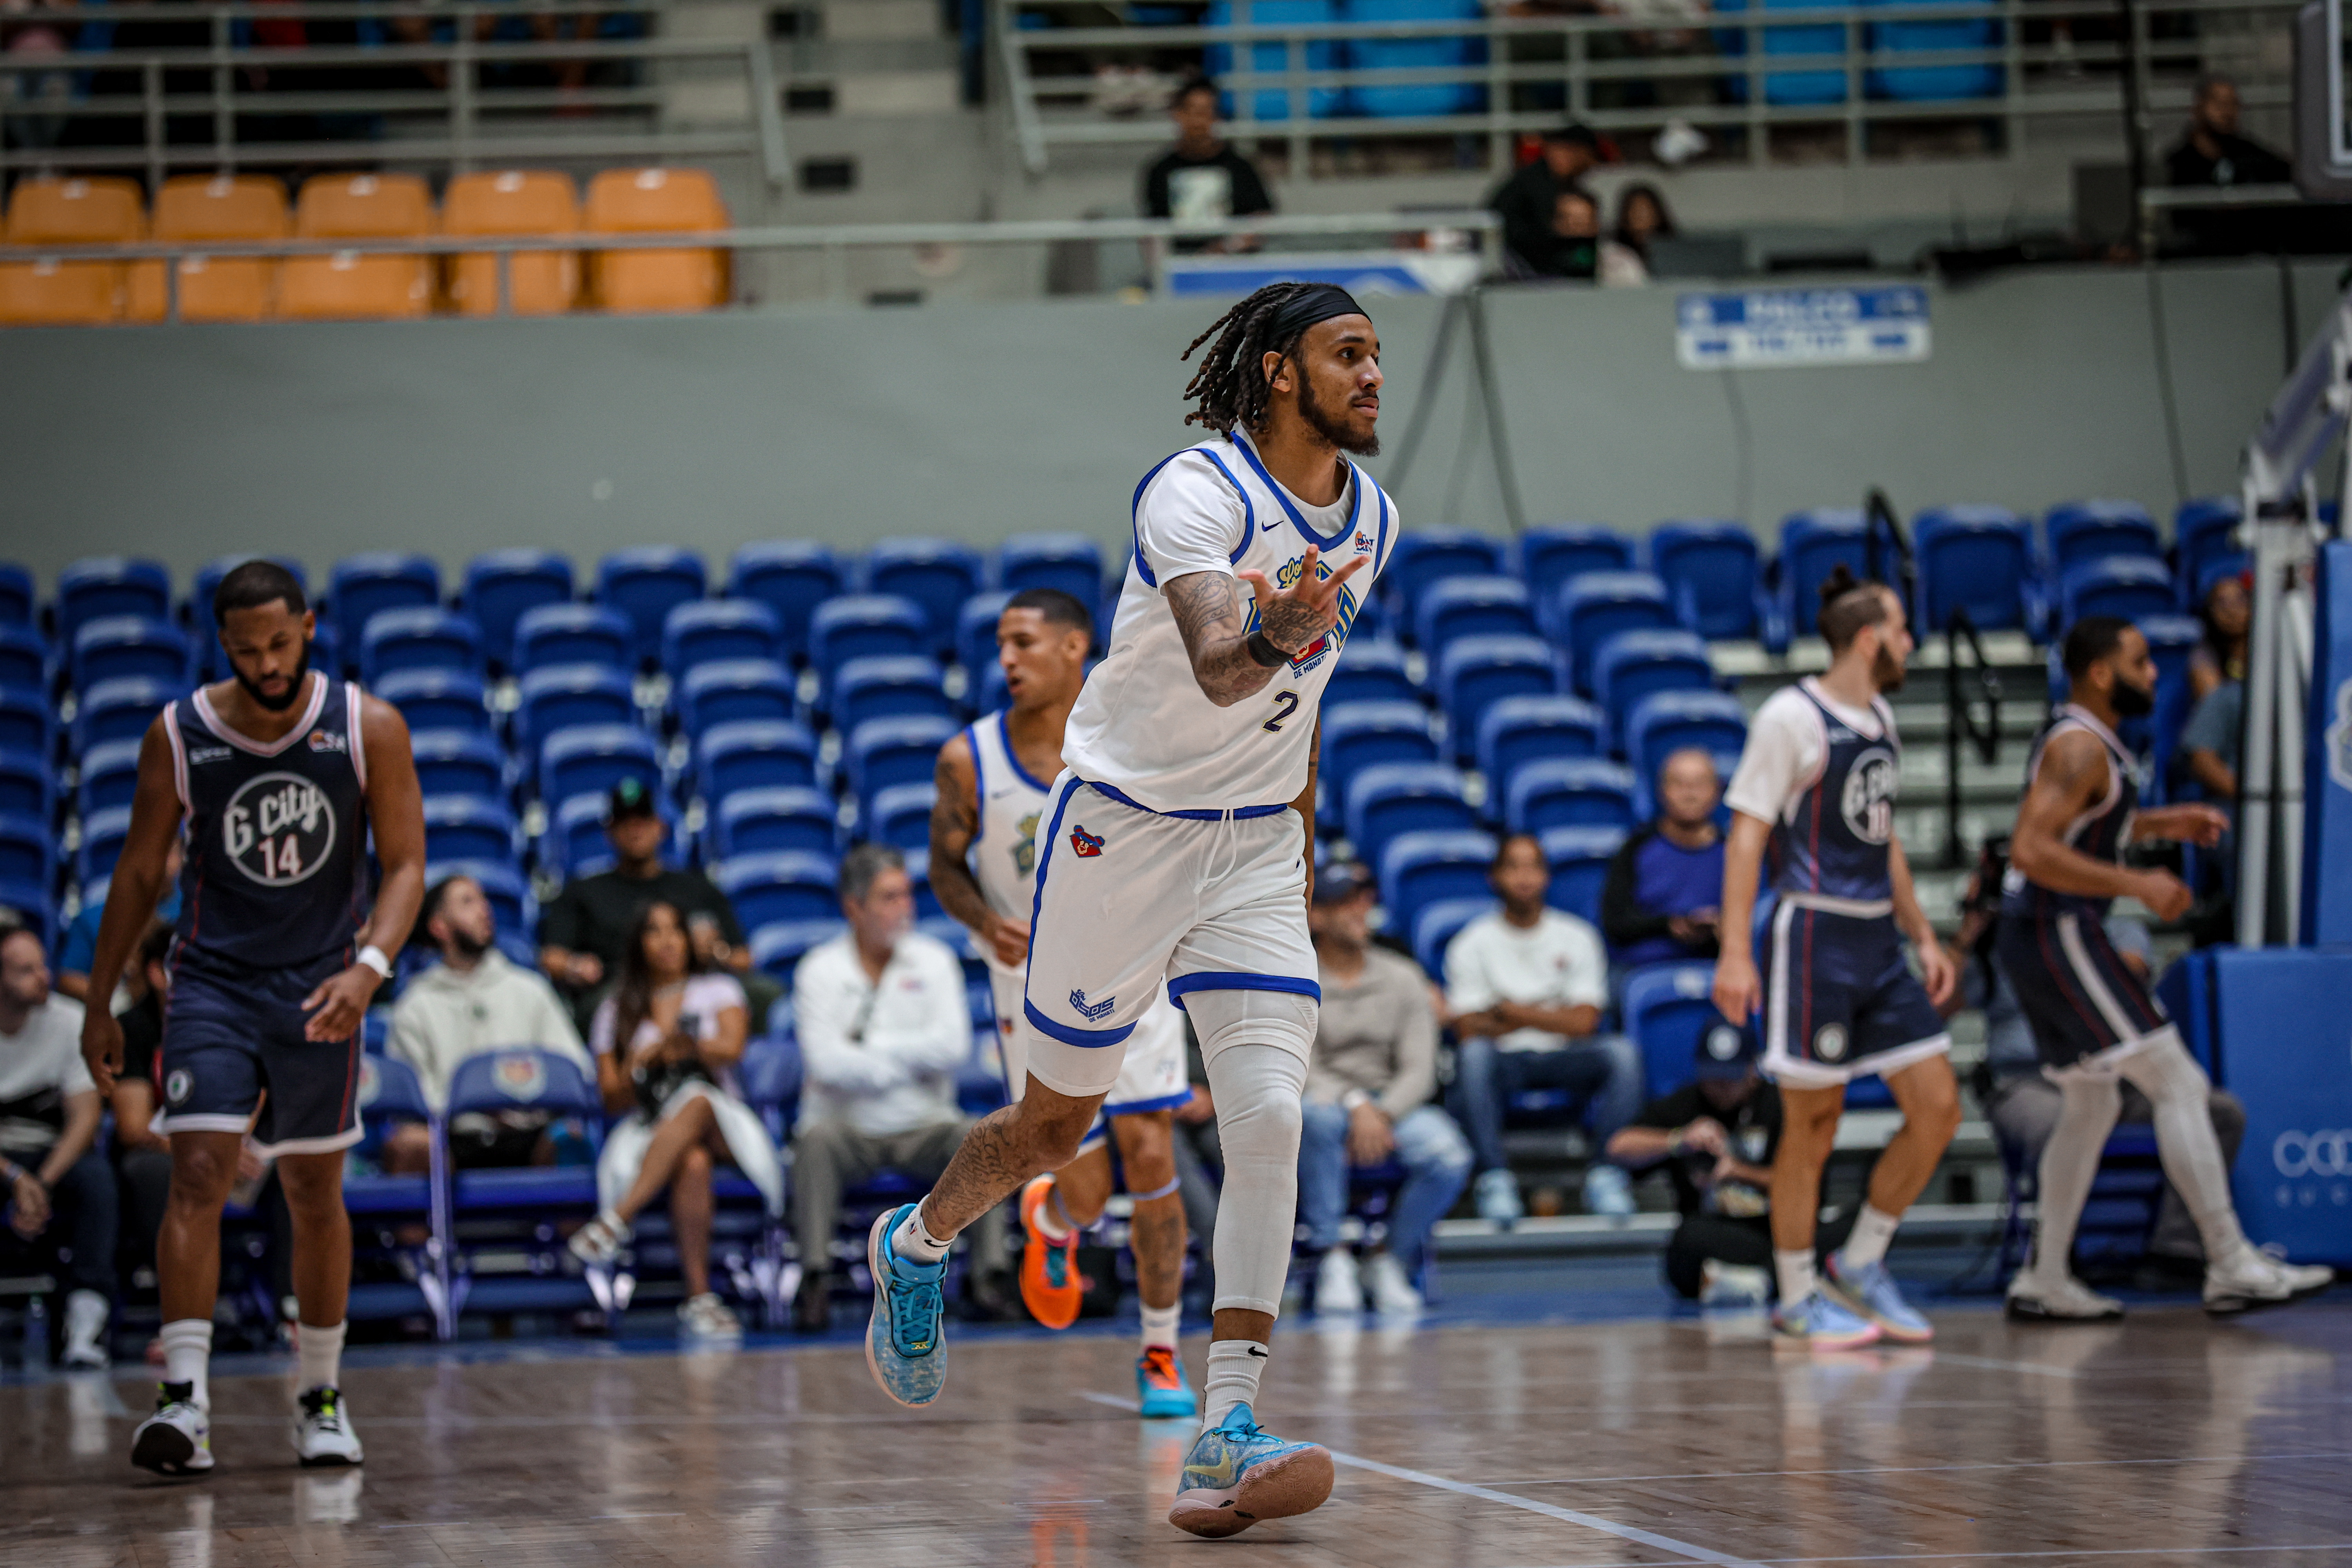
{"x":445,"y":1016}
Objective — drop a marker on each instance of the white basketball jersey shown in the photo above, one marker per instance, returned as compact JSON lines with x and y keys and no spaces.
{"x":1004,"y":855}
{"x":1142,"y":724}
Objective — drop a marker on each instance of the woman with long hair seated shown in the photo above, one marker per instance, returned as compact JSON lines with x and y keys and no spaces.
{"x":667,"y":1041}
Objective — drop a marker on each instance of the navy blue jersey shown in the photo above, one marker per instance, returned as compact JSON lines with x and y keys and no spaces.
{"x":2099,"y":832}
{"x":276,"y":874}
{"x":1832,"y":840}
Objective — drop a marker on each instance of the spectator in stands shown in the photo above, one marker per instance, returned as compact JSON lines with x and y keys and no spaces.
{"x":81,"y":937}
{"x":60,"y":1192}
{"x":1368,"y":1102}
{"x":1576,"y":235}
{"x":584,"y":931}
{"x":667,"y":1041}
{"x":475,"y":1000}
{"x":1529,"y":200}
{"x":1526,"y":985}
{"x":1642,"y":216}
{"x":2212,"y":153}
{"x":2226,"y":612}
{"x":1659,"y":903}
{"x":142,"y":1156}
{"x":884,"y":1025}
{"x":2208,"y":752}
{"x":1203,"y":178}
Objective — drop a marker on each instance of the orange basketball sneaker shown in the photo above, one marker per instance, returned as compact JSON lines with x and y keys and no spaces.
{"x":1050,"y":1287}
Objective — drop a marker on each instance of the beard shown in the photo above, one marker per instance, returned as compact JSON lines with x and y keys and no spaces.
{"x":2133,"y":702}
{"x":1332,"y":426}
{"x":469,"y":946}
{"x":293,"y":687}
{"x":1887,"y":671}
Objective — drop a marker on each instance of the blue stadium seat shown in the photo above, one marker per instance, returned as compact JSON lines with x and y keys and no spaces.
{"x":791,"y":577}
{"x":1942,"y":84}
{"x":935,"y":574}
{"x":1438,"y":923}
{"x":1472,"y":606}
{"x":111,"y":586}
{"x":567,"y":696}
{"x":1387,"y":799}
{"x":1478,"y":672}
{"x":772,"y":817}
{"x":1596,"y":606}
{"x":1356,"y":735}
{"x":358,"y":586}
{"x":28,"y":788}
{"x":16,"y":599}
{"x":1974,"y":558}
{"x":892,"y":687}
{"x":572,"y":634}
{"x":763,"y":754}
{"x":1518,"y":729}
{"x":901,"y":814}
{"x":1274,"y":57}
{"x":1568,"y":792}
{"x":509,"y":894}
{"x":1666,"y":722}
{"x":109,"y":776}
{"x":2132,"y":586}
{"x":1665,"y":1006}
{"x":574,"y":844}
{"x":500,"y":585}
{"x":975,"y":639}
{"x":2171,"y":641}
{"x":115,"y":648}
{"x":1813,"y":544}
{"x":24,"y":658}
{"x":2079,"y":530}
{"x":590,"y":758}
{"x":1070,"y":562}
{"x":2203,"y":530}
{"x":1550,"y":553}
{"x":884,"y":752}
{"x":645,"y":583}
{"x":432,"y":700}
{"x":24,"y":720}
{"x":423,"y":638}
{"x":765,"y":888}
{"x":705,"y":631}
{"x":866,"y":625}
{"x":1632,"y":666}
{"x":1369,"y":670}
{"x":1578,"y":857}
{"x":1417,"y":870}
{"x":731,"y":691}
{"x":927,"y":903}
{"x":777,"y":949}
{"x":207,"y":581}
{"x":28,"y":904}
{"x":1710,"y":569}
{"x":103,"y":833}
{"x":116,"y":710}
{"x":1422,"y":557}
{"x":453,"y":761}
{"x":470,"y":827}
{"x":1789,"y":88}
{"x":1409,"y":101}
{"x":28,"y":846}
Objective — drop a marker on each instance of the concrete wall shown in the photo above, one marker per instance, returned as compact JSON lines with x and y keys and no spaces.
{"x":582,"y":434}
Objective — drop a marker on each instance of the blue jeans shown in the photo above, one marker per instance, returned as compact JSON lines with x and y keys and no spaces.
{"x":1436,"y":1164}
{"x":1603,"y":1070}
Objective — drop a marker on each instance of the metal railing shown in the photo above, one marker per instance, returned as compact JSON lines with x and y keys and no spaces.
{"x":1713,"y":71}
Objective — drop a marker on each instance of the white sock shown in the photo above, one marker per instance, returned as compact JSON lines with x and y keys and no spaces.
{"x":2070,"y":1163}
{"x":319,"y":1356}
{"x":1050,"y":1224}
{"x":1160,"y":1327}
{"x":1873,"y":1229}
{"x":2180,"y":1092}
{"x":187,"y":1357}
{"x":915,"y":1243}
{"x":1233,"y":1369}
{"x":1796,"y":1272}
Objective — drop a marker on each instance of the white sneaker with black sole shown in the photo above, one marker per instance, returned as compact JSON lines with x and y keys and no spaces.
{"x":1392,"y":1294}
{"x":2251,"y":1280}
{"x":322,"y":1433}
{"x":177,"y":1440}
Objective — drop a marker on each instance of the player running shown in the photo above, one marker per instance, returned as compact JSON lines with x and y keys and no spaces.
{"x":276,"y":777}
{"x":1176,"y":856}
{"x":2095,"y":1023}
{"x":1818,"y":779}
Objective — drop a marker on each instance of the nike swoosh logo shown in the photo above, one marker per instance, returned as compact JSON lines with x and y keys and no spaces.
{"x":1269,"y":528}
{"x":1220,"y":1475}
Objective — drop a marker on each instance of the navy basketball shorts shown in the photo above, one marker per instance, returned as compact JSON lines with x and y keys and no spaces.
{"x":233,"y":1041}
{"x":1840,"y":1000}
{"x":2087,"y":1010}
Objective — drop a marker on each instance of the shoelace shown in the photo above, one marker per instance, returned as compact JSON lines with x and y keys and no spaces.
{"x":914,"y":1310}
{"x":1160,"y":1363}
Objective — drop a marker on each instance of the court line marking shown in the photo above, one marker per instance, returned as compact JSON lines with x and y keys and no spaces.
{"x":1972,"y":1556}
{"x":1917,"y":1470}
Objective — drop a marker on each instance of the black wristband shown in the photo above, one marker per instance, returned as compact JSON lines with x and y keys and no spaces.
{"x":1262,"y":652}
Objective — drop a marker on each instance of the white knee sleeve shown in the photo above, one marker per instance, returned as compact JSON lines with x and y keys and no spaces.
{"x":2180,"y":1092}
{"x":1284,"y":1019}
{"x":1255,"y":1085}
{"x":2070,"y":1163}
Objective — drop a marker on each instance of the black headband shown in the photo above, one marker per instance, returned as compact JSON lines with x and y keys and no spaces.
{"x":1317,"y":302}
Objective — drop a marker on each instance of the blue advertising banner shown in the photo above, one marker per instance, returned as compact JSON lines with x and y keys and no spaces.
{"x":1760,"y":326}
{"x":2287,"y":1051}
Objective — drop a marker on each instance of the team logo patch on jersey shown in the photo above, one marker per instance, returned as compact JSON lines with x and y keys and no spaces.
{"x":199,"y":755}
{"x":1723,"y":1042}
{"x":1310,"y":655}
{"x":1084,"y":845}
{"x":1363,"y":543}
{"x":1092,"y":1012}
{"x":328,"y":741}
{"x":278,"y":829}
{"x":1868,"y":801}
{"x":1025,"y":849}
{"x":519,"y":1075}
{"x":176,"y":1085}
{"x":1828,"y":1042}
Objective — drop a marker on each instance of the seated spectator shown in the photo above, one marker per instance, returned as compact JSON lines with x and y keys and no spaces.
{"x":1528,"y":199}
{"x":1576,"y":235}
{"x":1642,"y":216}
{"x":2212,"y":153}
{"x":1368,"y":1102}
{"x":60,"y":1192}
{"x":1664,"y":882}
{"x":667,"y":1041}
{"x":2226,"y":612}
{"x":1202,"y":178}
{"x":884,"y":1025}
{"x":142,"y":1156}
{"x":2207,"y":750}
{"x":80,"y":944}
{"x":475,"y":1000}
{"x":1526,"y":985}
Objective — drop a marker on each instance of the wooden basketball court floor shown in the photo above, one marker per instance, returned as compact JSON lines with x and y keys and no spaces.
{"x":2166,"y":1439}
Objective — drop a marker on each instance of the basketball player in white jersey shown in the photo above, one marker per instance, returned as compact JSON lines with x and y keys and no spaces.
{"x":1176,"y":856}
{"x":991,"y":800}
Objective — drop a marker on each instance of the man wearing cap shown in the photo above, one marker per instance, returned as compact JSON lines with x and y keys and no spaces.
{"x":1529,"y":198}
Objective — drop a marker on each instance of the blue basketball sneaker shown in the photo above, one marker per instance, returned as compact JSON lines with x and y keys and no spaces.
{"x":1870,"y":1290}
{"x":1160,"y":1383}
{"x":905,"y":1342}
{"x":1237,"y":1475}
{"x":1824,"y":1323}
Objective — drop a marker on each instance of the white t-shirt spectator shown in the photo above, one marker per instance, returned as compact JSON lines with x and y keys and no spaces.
{"x":40,"y":1065}
{"x":443,"y":1018}
{"x":1787,"y":746}
{"x":881,"y":1057}
{"x":706,"y":996}
{"x":1558,"y":962}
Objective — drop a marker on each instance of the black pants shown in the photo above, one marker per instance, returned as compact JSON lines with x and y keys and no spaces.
{"x":1744,"y":1242}
{"x":145,"y":1179}
{"x":79,"y":1237}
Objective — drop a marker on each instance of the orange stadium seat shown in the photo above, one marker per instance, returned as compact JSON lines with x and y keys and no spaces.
{"x":513,"y":201}
{"x":352,"y":284}
{"x":214,"y":289}
{"x":48,"y":292}
{"x":658,"y":201}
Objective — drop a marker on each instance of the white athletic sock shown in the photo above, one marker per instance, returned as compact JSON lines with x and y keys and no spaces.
{"x":914,"y":1242}
{"x":319,"y":1356}
{"x":2181,"y":1095}
{"x":1050,"y":1224}
{"x":1873,"y":1229}
{"x":2087,"y":1107}
{"x":1160,"y":1327}
{"x":1796,"y":1272}
{"x":1233,"y":1369}
{"x":187,"y":1356}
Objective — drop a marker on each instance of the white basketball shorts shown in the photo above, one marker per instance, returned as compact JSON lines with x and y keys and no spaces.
{"x":1150,"y":1078}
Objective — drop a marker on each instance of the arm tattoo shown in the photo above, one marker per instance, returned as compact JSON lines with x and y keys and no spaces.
{"x":1211,"y":611}
{"x":955,"y":820}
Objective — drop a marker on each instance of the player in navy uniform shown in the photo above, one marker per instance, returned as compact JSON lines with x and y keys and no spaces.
{"x":1818,"y":782}
{"x":276,"y":777}
{"x":2095,"y":1023}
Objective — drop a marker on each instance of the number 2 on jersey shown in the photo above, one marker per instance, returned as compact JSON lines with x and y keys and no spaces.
{"x":1285,"y":703}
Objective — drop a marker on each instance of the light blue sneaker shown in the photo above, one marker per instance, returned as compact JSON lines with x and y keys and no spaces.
{"x":1870,"y":1290}
{"x":1160,"y":1384}
{"x":1237,"y":1475}
{"x":1824,"y":1323}
{"x":906,"y":1343}
{"x":1609,"y":1192}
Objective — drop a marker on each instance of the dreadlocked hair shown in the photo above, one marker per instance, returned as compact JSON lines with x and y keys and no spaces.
{"x":1230,"y":387}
